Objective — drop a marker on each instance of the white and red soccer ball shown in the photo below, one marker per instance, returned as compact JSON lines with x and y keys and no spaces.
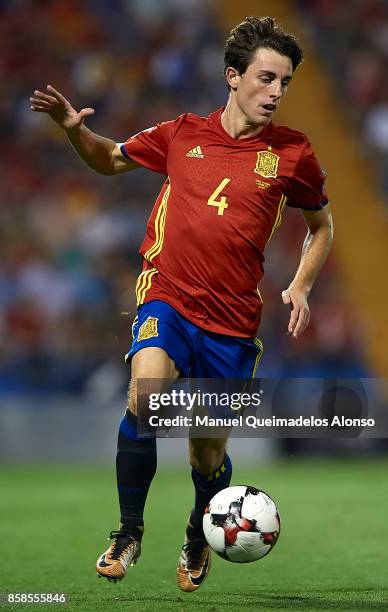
{"x":241,"y":524}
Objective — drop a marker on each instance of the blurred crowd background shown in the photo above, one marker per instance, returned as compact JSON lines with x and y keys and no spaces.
{"x":70,"y":238}
{"x":352,"y":39}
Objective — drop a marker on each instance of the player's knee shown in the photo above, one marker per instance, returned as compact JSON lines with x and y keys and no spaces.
{"x":132,"y":398}
{"x":138,"y":399}
{"x":206,"y":455}
{"x":132,"y":406}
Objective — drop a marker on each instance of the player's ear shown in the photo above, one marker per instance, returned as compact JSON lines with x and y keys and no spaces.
{"x":232,"y":77}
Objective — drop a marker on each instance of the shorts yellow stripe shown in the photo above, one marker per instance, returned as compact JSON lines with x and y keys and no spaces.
{"x":259,"y":345}
{"x":135,"y":320}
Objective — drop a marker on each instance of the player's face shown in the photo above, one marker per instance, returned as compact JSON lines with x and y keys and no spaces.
{"x":260,"y":89}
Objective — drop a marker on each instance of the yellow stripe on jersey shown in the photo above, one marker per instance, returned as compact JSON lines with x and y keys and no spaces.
{"x":148,"y":279}
{"x":259,"y":345}
{"x":145,"y":278}
{"x":139,"y":285}
{"x":277,"y":223}
{"x":159,"y":227}
{"x":278,"y":219}
{"x":143,"y":284}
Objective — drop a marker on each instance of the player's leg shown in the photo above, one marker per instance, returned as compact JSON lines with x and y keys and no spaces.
{"x":135,"y":468}
{"x":223,"y":357}
{"x":218,"y":357}
{"x":156,"y":348}
{"x":211,"y":472}
{"x":136,"y":455}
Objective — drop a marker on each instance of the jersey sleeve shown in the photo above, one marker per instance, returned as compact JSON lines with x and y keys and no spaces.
{"x":149,"y":148}
{"x":307,"y":186}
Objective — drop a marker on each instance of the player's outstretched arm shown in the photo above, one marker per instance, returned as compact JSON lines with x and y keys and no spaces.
{"x":101,"y":154}
{"x":315,"y":250}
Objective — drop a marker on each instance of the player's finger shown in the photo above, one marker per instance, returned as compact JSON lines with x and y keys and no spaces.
{"x":298,"y":324}
{"x":286,"y":297}
{"x":43,"y":96}
{"x":38,"y":109}
{"x":85,"y":112}
{"x":303,"y":321}
{"x":293,"y":319}
{"x":41,"y":102}
{"x":56,"y":94}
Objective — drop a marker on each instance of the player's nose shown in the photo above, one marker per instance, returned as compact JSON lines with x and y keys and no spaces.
{"x":276,"y":90}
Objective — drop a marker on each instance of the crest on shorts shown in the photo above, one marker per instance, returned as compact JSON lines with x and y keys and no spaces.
{"x":149,"y":329}
{"x":267,"y":164}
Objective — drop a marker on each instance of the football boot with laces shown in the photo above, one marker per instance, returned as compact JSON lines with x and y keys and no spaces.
{"x":122,"y":553}
{"x":194,"y":561}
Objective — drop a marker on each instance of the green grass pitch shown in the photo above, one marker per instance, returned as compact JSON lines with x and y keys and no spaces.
{"x":332,"y":553}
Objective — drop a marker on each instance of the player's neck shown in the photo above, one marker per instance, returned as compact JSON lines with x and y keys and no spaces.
{"x":236,"y":124}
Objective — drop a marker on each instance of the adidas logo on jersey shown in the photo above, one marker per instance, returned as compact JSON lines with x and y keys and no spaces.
{"x":196,"y":152}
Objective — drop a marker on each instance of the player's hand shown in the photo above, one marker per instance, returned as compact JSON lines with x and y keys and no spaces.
{"x":55,"y":104}
{"x":300,"y":312}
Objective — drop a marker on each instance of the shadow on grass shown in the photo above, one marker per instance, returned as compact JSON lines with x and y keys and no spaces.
{"x":334,"y":599}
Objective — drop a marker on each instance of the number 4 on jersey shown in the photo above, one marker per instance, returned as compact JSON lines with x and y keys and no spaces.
{"x":221,"y":204}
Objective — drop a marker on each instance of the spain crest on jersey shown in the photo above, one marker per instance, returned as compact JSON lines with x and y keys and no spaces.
{"x":267,"y":164}
{"x":149,"y":329}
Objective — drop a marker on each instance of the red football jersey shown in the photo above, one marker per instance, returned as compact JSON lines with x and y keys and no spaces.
{"x":221,"y":202}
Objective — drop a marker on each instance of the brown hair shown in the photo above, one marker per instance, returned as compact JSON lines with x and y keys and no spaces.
{"x":256,"y":32}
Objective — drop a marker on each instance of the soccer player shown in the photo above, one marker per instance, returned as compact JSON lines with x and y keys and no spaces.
{"x":229,"y":175}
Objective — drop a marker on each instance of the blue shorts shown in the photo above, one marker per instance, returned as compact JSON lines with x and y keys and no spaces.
{"x":197,"y":353}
